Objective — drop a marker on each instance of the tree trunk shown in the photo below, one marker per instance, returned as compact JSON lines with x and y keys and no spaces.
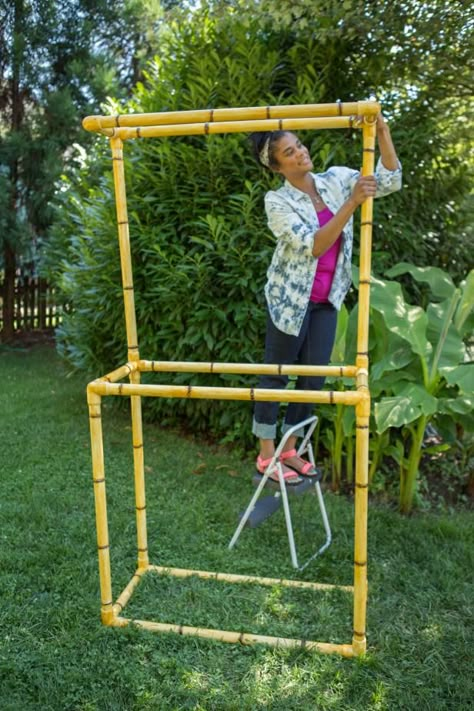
{"x":8,"y":293}
{"x":17,"y":113}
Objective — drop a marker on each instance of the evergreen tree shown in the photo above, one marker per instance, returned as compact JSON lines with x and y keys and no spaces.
{"x":59,"y":60}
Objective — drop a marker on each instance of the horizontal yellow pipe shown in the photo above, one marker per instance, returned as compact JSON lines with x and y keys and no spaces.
{"x":360,"y":108}
{"x":127,"y":592}
{"x":336,"y":397}
{"x":170,"y":366}
{"x":231,"y":578}
{"x":120,"y":373}
{"x":237,"y":637}
{"x":203,"y":129}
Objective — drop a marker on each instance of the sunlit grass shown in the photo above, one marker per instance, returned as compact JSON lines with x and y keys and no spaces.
{"x":55,"y":654}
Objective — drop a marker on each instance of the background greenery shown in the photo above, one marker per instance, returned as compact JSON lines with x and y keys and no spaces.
{"x":54,"y":653}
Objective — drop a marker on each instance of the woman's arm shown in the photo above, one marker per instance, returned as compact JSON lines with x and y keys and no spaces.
{"x":364,"y":188}
{"x":325,"y":237}
{"x":386,"y":147}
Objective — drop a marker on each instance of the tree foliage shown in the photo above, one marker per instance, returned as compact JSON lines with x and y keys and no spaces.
{"x":58,"y":61}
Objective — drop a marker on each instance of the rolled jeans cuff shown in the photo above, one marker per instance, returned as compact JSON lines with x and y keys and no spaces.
{"x":263,"y":430}
{"x":298,"y":433}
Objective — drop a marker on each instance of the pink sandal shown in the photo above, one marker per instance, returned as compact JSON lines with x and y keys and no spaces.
{"x":307,"y":470}
{"x":290,"y":477}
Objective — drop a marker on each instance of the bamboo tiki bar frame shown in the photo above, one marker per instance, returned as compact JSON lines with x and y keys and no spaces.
{"x":203,"y":122}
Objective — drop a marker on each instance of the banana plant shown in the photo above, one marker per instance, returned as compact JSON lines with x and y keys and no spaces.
{"x":422,"y":370}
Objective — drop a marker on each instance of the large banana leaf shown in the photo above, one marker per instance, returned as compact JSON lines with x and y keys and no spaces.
{"x":408,"y":405}
{"x":406,"y":321}
{"x":440,"y":282}
{"x":452,"y":349}
{"x":394,"y":354}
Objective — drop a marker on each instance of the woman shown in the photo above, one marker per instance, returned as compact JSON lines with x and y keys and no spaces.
{"x":310,"y":272}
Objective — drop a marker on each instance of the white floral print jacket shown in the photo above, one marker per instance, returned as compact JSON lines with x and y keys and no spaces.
{"x":293,"y":221}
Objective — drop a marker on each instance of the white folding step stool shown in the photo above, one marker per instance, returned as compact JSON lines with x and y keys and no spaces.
{"x":257,"y":511}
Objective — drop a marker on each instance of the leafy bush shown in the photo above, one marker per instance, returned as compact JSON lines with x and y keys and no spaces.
{"x":200,"y":245}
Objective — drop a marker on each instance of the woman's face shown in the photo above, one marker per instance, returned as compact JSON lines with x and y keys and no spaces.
{"x":291,"y":156}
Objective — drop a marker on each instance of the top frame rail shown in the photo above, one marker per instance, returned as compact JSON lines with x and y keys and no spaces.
{"x":106,"y":124}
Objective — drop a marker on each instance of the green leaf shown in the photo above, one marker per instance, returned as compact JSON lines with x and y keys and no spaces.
{"x":437,"y":448}
{"x":466,"y":305}
{"x":398,"y":354}
{"x":407,"y":322}
{"x":461,"y":375}
{"x":348,"y":421}
{"x":440,"y":282}
{"x":402,"y":409}
{"x":462,"y":405}
{"x":339,"y":349}
{"x":452,"y":350}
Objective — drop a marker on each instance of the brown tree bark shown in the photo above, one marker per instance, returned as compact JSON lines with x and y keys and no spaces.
{"x":17,"y":113}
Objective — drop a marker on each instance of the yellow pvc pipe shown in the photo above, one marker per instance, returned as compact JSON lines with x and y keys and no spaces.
{"x":127,"y":592}
{"x":124,"y":244}
{"x":359,"y":642}
{"x":120,"y":373}
{"x":336,"y":397}
{"x":171,"y":366}
{"x":243,"y":638}
{"x":358,"y":108}
{"x":366,"y":221}
{"x":98,"y":474}
{"x":244,"y":579}
{"x":132,"y":341}
{"x":204,"y":129}
{"x":139,"y":474}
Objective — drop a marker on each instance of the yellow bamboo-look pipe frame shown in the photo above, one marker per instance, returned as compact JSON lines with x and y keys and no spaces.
{"x":205,"y":122}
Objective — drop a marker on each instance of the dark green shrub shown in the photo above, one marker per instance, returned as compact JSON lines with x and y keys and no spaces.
{"x":200,"y":244}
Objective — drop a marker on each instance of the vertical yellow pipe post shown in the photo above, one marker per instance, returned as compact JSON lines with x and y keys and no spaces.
{"x":132,"y":341}
{"x":359,"y":641}
{"x":98,"y":474}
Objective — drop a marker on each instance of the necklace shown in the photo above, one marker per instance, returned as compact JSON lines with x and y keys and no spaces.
{"x":317,"y":199}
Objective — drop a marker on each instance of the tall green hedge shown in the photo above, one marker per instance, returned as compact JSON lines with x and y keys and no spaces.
{"x":200,"y":244}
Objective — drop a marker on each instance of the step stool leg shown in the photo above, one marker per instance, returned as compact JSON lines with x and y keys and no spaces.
{"x":249,"y":509}
{"x":286,"y":509}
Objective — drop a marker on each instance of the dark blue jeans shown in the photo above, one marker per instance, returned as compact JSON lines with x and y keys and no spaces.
{"x":313,"y":346}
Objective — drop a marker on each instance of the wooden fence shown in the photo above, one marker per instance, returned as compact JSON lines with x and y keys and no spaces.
{"x":35,"y":306}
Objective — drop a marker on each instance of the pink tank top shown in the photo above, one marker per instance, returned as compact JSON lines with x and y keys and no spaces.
{"x":326,"y":264}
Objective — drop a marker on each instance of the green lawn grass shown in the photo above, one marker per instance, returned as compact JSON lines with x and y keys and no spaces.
{"x":54,"y":652}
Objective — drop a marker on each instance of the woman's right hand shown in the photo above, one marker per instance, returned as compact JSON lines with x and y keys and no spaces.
{"x":365,"y":187}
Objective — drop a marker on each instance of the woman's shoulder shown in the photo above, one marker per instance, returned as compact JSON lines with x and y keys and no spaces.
{"x":278,"y":195}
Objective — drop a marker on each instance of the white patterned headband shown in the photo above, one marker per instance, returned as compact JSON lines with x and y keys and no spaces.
{"x":263,"y":155}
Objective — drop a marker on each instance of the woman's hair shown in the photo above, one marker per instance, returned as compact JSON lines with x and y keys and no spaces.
{"x":258,"y":142}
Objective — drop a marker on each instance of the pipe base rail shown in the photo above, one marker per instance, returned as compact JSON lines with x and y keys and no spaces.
{"x":113,"y":615}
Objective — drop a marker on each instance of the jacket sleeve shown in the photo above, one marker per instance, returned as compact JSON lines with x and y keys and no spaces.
{"x":287,"y":225}
{"x":388,"y":181}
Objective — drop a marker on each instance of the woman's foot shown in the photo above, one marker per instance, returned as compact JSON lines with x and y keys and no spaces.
{"x":298,"y":464}
{"x":290,"y":477}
